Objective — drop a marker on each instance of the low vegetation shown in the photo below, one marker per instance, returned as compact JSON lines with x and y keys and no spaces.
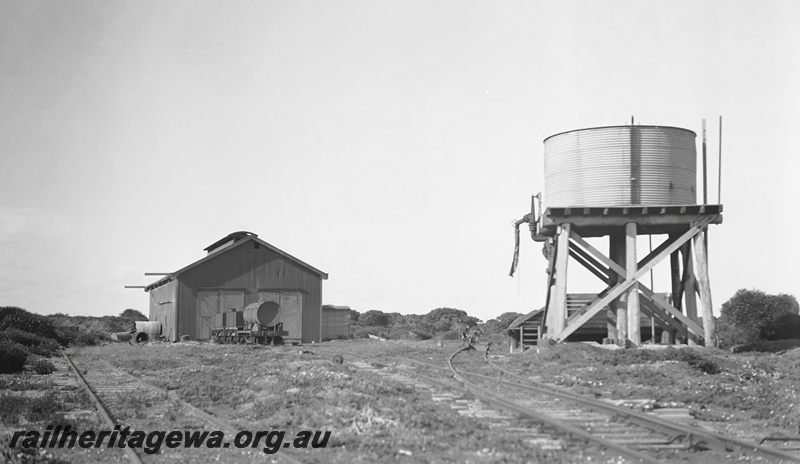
{"x":439,"y":324}
{"x":12,"y":357}
{"x":26,"y":338}
{"x":716,"y":385}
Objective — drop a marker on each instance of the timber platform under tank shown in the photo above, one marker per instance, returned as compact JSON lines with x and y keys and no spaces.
{"x":601,"y":221}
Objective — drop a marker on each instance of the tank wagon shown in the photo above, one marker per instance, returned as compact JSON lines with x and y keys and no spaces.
{"x":258,"y":323}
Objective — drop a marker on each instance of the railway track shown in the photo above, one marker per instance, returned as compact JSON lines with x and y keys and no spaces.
{"x":712,"y":439}
{"x":635,"y":435}
{"x":122,"y":400}
{"x":577,"y":422}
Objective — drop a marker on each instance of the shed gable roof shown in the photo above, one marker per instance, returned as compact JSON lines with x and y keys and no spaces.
{"x":239,"y":239}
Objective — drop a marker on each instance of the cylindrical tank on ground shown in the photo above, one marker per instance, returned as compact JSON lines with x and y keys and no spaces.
{"x":620,"y":166}
{"x":147,"y":330}
{"x":263,"y":312}
{"x":151,"y":328}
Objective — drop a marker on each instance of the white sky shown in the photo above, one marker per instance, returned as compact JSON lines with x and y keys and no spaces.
{"x":388,"y":143}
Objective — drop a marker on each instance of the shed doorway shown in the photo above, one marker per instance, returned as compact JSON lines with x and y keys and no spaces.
{"x":291,"y":310}
{"x":213,"y":302}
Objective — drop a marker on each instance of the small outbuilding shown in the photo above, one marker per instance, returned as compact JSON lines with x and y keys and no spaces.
{"x":335,"y":322}
{"x":238,"y":270}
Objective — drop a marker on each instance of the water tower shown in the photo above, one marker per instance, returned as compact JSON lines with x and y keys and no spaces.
{"x":617,"y":183}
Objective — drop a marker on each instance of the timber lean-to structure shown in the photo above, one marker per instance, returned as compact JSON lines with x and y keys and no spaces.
{"x":626,"y":302}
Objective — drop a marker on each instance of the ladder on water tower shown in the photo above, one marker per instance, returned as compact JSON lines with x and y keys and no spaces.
{"x":529,"y":334}
{"x":530,"y":330}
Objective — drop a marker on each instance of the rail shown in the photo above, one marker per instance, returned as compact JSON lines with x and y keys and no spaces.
{"x":721,"y":441}
{"x":559,"y":425}
{"x":193,"y":410}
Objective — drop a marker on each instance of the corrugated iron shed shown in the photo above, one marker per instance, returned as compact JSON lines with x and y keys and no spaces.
{"x":238,"y":270}
{"x":335,"y":322}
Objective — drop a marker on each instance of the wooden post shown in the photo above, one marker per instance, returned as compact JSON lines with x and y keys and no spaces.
{"x":557,"y":312}
{"x":550,"y":252}
{"x":631,"y":266}
{"x":709,"y":326}
{"x":620,"y":305}
{"x":653,"y":329}
{"x":689,"y":288}
{"x":677,"y":284}
{"x":668,"y":335}
{"x":613,"y":279}
{"x":689,"y":282}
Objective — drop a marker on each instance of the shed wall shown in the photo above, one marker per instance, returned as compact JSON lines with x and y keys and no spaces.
{"x":250,"y":268}
{"x":163,"y":308}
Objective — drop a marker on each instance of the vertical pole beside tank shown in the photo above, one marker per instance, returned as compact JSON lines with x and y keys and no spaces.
{"x":634,"y":311}
{"x":705,"y":184}
{"x":719,"y":174}
{"x":705,"y":171}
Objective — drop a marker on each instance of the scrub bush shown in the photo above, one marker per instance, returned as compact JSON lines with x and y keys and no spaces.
{"x":42,"y":366}
{"x":34,"y":344}
{"x":12,"y":317}
{"x":12,"y":357}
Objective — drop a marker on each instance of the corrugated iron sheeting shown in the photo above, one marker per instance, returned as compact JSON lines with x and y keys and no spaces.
{"x":335,"y":323}
{"x":621,"y":166}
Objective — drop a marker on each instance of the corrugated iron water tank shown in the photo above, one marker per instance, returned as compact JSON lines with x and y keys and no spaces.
{"x":620,"y":166}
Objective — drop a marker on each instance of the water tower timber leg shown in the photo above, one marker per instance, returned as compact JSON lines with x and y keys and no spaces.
{"x":668,"y":337}
{"x":557,"y":310}
{"x":709,"y":326}
{"x":550,"y":252}
{"x":614,"y":291}
{"x":689,"y":288}
{"x":619,"y":306}
{"x":631,"y":266}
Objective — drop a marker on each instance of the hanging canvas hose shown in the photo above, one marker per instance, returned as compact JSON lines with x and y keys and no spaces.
{"x":515,"y":260}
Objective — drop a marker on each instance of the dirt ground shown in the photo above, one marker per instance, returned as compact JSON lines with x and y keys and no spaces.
{"x":375,"y":418}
